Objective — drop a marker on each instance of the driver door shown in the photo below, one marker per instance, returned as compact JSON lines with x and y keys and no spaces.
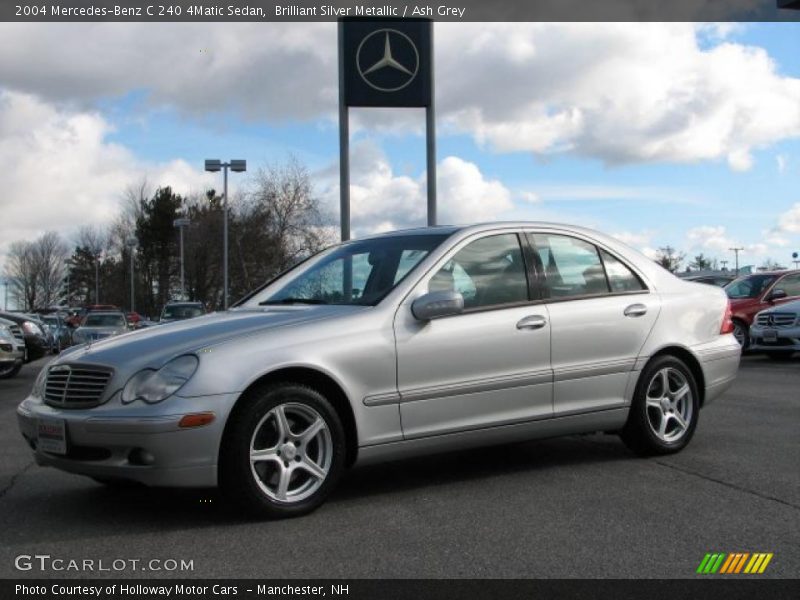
{"x":489,"y":365}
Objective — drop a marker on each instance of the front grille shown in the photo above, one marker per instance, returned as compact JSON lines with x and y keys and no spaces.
{"x":76,"y":386}
{"x":17,"y":333}
{"x":777,"y":319}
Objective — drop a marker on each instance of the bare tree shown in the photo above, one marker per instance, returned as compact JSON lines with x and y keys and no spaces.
{"x":20,"y":272}
{"x":50,"y":253}
{"x":669,"y":258}
{"x":35,"y":271}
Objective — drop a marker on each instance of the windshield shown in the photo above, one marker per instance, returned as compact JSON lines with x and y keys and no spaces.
{"x":104,"y":321}
{"x":181,"y":312}
{"x":749,"y":287}
{"x":355,"y":273}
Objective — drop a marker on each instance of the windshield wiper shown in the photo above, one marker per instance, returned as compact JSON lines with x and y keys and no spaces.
{"x":292,"y":301}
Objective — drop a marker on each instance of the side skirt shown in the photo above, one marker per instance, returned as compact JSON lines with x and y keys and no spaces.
{"x":604,"y":420}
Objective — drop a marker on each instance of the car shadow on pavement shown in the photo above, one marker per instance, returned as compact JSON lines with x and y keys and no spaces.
{"x":86,"y":509}
{"x":480,"y":464}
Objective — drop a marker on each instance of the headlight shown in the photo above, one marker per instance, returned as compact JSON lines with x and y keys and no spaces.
{"x":155,"y":386}
{"x":38,"y":386}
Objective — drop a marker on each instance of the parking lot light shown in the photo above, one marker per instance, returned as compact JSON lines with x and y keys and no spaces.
{"x":131,"y":244}
{"x":237,"y":166}
{"x":180,"y":223}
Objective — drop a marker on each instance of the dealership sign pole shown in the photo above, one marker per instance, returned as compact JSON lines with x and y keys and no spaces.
{"x":385,"y":63}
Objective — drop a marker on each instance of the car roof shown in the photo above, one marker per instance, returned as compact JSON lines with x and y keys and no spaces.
{"x":485,"y":226}
{"x":783,"y":272}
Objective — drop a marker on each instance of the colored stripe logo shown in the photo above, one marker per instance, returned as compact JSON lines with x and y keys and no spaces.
{"x":734,"y":563}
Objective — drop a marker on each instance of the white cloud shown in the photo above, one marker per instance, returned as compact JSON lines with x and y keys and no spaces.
{"x":781,"y":161}
{"x":717,"y":241}
{"x":789,"y":222}
{"x":60,"y":169}
{"x":625,"y":92}
{"x":275,"y":70}
{"x":619,"y":92}
{"x":382,"y":200}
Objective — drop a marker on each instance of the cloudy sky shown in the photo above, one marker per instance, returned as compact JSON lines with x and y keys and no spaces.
{"x":679,"y":134}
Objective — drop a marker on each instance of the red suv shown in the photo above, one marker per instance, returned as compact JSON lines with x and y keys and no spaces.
{"x":753,"y":293}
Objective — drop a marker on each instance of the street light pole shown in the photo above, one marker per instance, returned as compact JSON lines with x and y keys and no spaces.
{"x":237,"y":166}
{"x":736,"y":251}
{"x":97,"y":279}
{"x":131,"y":243}
{"x":225,"y":238}
{"x":180,"y":223}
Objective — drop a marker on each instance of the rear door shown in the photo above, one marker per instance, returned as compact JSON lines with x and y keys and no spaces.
{"x":601,"y":313}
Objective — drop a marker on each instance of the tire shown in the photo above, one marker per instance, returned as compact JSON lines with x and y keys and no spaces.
{"x":779,"y":354}
{"x":283,"y":451}
{"x":742,"y":334}
{"x":661,"y":423}
{"x":9,"y":372}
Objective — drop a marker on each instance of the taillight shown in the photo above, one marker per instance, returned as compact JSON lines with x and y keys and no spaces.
{"x":727,"y":321}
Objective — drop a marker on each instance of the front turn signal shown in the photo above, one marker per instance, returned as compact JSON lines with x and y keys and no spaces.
{"x":196,"y":420}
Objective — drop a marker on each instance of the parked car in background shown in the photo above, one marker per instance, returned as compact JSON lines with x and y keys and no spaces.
{"x":59,"y":331}
{"x":77,"y":315}
{"x":37,"y":341}
{"x":97,"y":325}
{"x":12,"y":349}
{"x":756,"y":292}
{"x":402,"y":344}
{"x":179,"y":311}
{"x":776,"y":331}
{"x":133,"y":317}
{"x":718,"y":280}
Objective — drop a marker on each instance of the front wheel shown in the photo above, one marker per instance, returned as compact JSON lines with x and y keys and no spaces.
{"x":9,"y":371}
{"x":283,"y":451}
{"x":665,"y":408}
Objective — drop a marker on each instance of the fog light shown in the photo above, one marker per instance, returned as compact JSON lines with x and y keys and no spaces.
{"x":140,"y":456}
{"x":196,"y":420}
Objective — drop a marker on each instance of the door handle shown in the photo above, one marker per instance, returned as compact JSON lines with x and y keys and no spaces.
{"x":636,"y":310}
{"x":532,"y":322}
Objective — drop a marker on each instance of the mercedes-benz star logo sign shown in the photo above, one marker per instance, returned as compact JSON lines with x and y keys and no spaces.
{"x":387,"y":60}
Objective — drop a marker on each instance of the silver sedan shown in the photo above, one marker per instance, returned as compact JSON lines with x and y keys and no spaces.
{"x":397,"y":345}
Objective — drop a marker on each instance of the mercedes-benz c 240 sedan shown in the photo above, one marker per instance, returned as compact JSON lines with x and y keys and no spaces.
{"x":400,"y":344}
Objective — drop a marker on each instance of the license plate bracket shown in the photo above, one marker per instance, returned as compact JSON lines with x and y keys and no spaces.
{"x":52,"y":435}
{"x":770,"y":335}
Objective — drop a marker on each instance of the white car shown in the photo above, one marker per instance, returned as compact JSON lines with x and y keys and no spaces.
{"x":396,"y":345}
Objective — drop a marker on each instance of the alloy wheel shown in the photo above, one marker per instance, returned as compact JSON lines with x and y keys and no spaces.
{"x":669,"y":404}
{"x":291,"y":451}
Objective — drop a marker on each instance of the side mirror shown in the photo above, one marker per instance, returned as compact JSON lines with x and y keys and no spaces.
{"x":777,"y":295}
{"x":437,"y":304}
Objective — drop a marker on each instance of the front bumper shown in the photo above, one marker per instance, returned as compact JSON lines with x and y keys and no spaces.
{"x":11,"y":353}
{"x":124,"y":442}
{"x":787,"y":339}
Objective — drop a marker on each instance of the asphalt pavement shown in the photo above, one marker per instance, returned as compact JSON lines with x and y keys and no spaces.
{"x":580,"y":506}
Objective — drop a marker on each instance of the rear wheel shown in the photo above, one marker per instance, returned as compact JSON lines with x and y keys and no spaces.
{"x":742,"y":334}
{"x":665,"y":408}
{"x":283,"y":451}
